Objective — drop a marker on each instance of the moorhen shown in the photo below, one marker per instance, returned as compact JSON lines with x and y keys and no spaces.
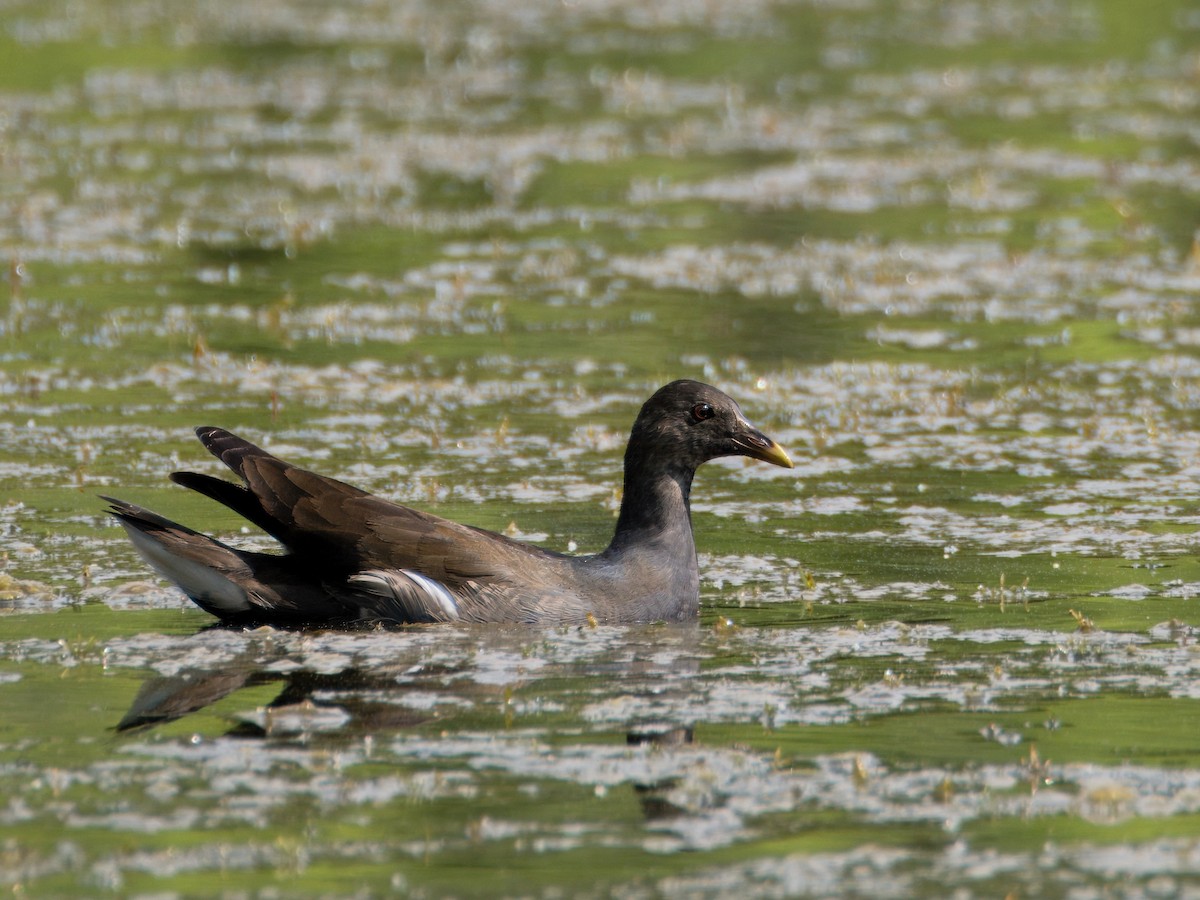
{"x":356,"y":557}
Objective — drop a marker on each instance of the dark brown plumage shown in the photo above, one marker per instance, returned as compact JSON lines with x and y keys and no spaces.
{"x":354,"y":556}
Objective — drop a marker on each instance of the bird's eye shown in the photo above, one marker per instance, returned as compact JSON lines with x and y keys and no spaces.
{"x":702,"y":411}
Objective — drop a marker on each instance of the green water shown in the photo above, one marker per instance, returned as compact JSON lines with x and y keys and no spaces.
{"x":946,"y":253}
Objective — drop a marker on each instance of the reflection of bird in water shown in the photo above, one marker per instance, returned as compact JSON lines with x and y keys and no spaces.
{"x":634,"y":673}
{"x":163,"y":700}
{"x":354,"y":556}
{"x":646,"y":667}
{"x":654,"y":797}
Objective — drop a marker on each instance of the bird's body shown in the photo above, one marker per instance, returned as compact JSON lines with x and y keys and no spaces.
{"x":353,"y":556}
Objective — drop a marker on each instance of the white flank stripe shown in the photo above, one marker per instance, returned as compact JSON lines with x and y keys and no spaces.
{"x":437,"y":591}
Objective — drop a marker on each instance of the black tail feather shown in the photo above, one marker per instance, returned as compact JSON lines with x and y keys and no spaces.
{"x":228,"y":447}
{"x":142,"y":518}
{"x":235,"y":496}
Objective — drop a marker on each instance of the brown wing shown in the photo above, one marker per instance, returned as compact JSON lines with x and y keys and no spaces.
{"x":347,"y":528}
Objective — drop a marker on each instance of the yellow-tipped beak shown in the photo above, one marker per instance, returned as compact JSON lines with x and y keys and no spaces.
{"x":756,"y":445}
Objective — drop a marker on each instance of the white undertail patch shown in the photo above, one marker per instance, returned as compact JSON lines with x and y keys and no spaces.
{"x":207,"y":587}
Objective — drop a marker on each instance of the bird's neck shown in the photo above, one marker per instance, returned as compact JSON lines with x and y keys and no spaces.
{"x":655,"y":507}
{"x":652,"y":554}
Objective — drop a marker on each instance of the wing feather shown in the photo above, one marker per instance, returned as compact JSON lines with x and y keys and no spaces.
{"x":313,"y":514}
